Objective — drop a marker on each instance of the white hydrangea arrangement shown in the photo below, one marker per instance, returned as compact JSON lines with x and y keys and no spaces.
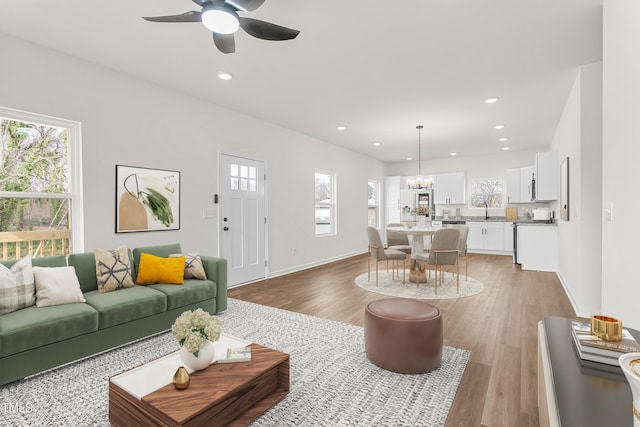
{"x":192,"y":328}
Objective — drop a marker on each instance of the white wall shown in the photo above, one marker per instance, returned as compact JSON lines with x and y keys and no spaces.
{"x":128,"y":121}
{"x":489,"y":166}
{"x":579,"y":137}
{"x":621,"y":153}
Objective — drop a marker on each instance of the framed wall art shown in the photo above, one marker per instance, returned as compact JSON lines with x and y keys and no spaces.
{"x":564,"y":190}
{"x":147,"y":199}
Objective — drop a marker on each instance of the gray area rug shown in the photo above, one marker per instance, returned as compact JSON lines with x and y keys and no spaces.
{"x":332,"y":381}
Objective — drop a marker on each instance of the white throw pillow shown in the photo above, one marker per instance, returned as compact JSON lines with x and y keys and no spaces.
{"x":16,"y":286}
{"x":56,"y":285}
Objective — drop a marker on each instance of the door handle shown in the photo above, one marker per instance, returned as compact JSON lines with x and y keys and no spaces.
{"x":226,"y":229}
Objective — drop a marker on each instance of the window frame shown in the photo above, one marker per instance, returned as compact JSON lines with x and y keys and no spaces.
{"x":332,"y":205}
{"x":376,"y":206}
{"x":502,"y":193}
{"x":74,"y":162}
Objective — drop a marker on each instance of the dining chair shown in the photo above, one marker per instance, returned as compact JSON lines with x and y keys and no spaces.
{"x":398,"y":241}
{"x":464,"y":235}
{"x":444,"y":251}
{"x":379,"y":253}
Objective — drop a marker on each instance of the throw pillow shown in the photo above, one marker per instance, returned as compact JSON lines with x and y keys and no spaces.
{"x":153,"y":269}
{"x":56,"y":285}
{"x":17,"y":289}
{"x":193,"y":268}
{"x":113,"y":269}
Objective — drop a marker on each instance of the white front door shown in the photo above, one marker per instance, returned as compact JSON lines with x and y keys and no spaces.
{"x":242,"y":218}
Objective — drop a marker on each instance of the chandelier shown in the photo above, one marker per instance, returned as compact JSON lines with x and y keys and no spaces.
{"x":420,"y":181}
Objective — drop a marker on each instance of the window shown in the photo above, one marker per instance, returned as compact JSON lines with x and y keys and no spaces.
{"x":374,"y":197}
{"x":40,"y":185}
{"x":325,"y":203}
{"x":486,"y":190}
{"x":243,"y":178}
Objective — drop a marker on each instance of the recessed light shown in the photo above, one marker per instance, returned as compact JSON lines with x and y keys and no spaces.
{"x":409,"y":158}
{"x":223,"y":75}
{"x":341,"y":127}
{"x":376,"y":144}
{"x":503,"y":139}
{"x":492,"y":100}
{"x":453,"y":154}
{"x":498,"y":127}
{"x":505,"y":148}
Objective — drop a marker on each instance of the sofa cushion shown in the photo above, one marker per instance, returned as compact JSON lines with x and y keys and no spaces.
{"x":193,"y":268}
{"x":113,"y":269}
{"x":154,"y":269}
{"x":34,"y":327}
{"x":191,"y":291}
{"x":56,"y":286}
{"x":126,"y":305}
{"x":17,"y":287}
{"x":158,"y":250}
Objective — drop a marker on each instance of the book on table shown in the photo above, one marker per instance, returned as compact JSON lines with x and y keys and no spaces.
{"x":595,"y":349}
{"x":236,"y":354}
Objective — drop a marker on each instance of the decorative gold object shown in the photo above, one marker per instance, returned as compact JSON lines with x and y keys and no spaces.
{"x":606,"y":328}
{"x":181,"y":378}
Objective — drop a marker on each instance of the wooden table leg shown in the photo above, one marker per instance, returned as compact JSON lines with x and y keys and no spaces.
{"x":418,"y":273}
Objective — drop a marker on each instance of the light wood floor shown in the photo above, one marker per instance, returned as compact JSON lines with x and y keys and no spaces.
{"x":498,"y":326}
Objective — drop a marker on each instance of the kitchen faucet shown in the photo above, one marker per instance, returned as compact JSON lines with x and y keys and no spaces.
{"x":486,"y":210}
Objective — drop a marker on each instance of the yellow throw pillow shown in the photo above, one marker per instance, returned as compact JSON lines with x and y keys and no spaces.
{"x":153,"y":269}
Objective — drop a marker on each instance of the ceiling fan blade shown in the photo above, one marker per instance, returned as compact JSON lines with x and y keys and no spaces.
{"x":246,"y":5}
{"x":266,"y":30}
{"x":192,"y":16}
{"x":199,"y":2}
{"x":224,"y":42}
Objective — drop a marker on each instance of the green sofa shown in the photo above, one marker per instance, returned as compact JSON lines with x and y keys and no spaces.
{"x":35,"y":339}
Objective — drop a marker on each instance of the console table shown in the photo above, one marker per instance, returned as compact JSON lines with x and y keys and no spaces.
{"x":571,"y":393}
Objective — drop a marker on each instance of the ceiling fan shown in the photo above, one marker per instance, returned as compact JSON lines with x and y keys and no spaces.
{"x":221,"y":17}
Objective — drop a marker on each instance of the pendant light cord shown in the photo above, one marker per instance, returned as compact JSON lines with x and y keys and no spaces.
{"x":419,"y":127}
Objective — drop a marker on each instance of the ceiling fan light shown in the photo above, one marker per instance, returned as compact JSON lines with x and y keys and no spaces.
{"x":220,"y":19}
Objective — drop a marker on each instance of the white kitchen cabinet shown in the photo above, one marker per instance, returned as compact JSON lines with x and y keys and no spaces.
{"x":547,"y":176}
{"x":538,"y":247}
{"x":449,"y":188}
{"x":519,"y":185}
{"x":526,"y":184}
{"x":486,"y":236}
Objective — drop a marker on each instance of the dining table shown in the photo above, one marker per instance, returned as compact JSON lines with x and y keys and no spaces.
{"x":415,"y":236}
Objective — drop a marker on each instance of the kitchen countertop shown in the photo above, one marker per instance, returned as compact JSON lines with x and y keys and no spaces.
{"x":520,"y":220}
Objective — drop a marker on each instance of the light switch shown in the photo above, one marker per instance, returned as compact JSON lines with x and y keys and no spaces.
{"x":608,"y":212}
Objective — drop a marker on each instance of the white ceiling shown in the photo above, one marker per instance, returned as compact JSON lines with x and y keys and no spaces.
{"x":378,"y":67}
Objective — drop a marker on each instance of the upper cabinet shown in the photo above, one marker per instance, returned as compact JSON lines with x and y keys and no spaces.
{"x":519,"y":185}
{"x":547,"y":175}
{"x":449,"y":189}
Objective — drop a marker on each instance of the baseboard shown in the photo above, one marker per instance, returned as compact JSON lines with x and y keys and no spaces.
{"x":318,"y":263}
{"x":571,"y":299}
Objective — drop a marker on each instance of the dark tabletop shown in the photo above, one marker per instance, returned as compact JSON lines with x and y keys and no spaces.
{"x":587,"y":393}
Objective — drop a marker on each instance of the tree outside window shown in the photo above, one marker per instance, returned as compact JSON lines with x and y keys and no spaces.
{"x":325,"y":203}
{"x":486,"y":192}
{"x":37,"y":197}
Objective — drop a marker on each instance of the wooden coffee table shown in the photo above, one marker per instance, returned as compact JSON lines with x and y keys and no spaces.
{"x":222,"y":394}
